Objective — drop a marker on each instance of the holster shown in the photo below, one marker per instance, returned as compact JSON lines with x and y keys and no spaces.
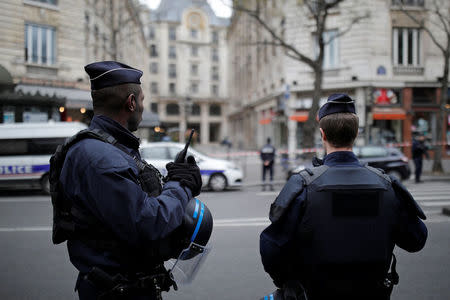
{"x":120,"y":286}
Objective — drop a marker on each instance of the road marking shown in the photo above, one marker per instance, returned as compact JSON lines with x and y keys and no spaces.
{"x":35,"y":228}
{"x":271,"y":193}
{"x":24,"y":200}
{"x":434,"y":203}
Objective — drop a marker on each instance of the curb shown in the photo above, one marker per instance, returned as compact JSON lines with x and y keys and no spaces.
{"x":446,"y":210}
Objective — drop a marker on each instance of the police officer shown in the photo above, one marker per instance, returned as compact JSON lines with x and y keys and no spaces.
{"x":267,"y":155}
{"x":419,"y":149}
{"x":334,"y":227}
{"x":119,"y":223}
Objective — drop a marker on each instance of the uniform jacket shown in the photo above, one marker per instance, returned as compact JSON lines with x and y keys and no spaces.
{"x":279,"y":245}
{"x":419,"y":149}
{"x":268,"y":153}
{"x":102,"y":182}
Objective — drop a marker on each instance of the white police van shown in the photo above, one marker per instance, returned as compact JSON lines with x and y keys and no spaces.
{"x":25,"y":151}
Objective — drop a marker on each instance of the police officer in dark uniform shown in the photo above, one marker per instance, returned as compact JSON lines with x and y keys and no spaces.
{"x":119,"y":219}
{"x":267,"y":155}
{"x":334,"y":227}
{"x":419,"y":149}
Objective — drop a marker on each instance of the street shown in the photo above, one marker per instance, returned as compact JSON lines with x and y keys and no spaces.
{"x":33,"y":268}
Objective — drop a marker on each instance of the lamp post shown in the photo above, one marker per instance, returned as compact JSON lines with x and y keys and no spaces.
{"x":187,"y":111}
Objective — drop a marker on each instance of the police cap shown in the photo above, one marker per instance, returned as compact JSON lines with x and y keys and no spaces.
{"x":110,"y":73}
{"x":337,"y":103}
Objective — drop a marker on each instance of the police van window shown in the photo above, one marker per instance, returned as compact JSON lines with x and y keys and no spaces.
{"x":373,"y":152}
{"x":44,"y":146}
{"x":153,"y":153}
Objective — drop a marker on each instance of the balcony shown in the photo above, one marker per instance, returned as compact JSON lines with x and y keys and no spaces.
{"x":408,"y":70}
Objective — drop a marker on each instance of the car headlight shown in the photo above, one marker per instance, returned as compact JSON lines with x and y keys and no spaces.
{"x":232,"y":166}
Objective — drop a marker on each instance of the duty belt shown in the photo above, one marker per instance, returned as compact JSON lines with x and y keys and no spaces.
{"x":122,"y":287}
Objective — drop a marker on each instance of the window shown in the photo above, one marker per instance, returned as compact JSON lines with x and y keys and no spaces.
{"x":406,"y":46}
{"x":409,"y":2}
{"x":172,"y":33}
{"x":215,"y":73}
{"x":172,"y":52}
{"x":215,"y":37}
{"x":155,"y":153}
{"x":194,"y":50}
{"x":195,"y":111}
{"x":172,"y":71}
{"x":194,"y":33}
{"x":40,"y":44}
{"x":154,"y":68}
{"x":215,"y":110}
{"x":215,"y":90}
{"x":154,"y":107}
{"x":194,"y":69}
{"x":172,"y":109}
{"x":194,"y":87}
{"x":154,"y":88}
{"x":31,"y":146}
{"x":153,"y":51}
{"x":331,"y":49}
{"x":214,"y":54}
{"x":151,"y":33}
{"x":172,"y":89}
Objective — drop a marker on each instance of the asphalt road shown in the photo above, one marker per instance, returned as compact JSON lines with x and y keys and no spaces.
{"x":33,"y":268}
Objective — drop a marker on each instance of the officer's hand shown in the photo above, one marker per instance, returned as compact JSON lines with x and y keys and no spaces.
{"x":188,"y":174}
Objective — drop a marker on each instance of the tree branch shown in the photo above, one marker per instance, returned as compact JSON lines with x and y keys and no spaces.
{"x":422,"y":26}
{"x":354,"y":21}
{"x":442,"y":18}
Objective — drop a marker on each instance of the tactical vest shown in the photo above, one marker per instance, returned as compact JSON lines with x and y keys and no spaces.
{"x":347,"y":230}
{"x":66,"y":217}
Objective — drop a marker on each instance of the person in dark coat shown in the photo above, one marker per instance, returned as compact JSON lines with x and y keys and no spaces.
{"x":419,"y":149}
{"x":267,"y":154}
{"x":104,"y":185}
{"x":334,"y":227}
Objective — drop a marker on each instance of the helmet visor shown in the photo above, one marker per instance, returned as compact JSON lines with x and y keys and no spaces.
{"x":186,"y":266}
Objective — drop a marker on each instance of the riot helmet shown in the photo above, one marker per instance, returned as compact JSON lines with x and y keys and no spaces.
{"x":196,"y":230}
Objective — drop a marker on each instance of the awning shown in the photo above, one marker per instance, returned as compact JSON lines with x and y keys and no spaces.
{"x":265,"y":121}
{"x":300,"y":116}
{"x":149,"y":119}
{"x":75,"y":98}
{"x":388,"y":113}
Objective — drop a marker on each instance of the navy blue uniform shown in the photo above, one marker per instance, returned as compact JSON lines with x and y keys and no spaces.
{"x":267,"y":155}
{"x":418,"y":151}
{"x":280,"y":246}
{"x":102,"y":182}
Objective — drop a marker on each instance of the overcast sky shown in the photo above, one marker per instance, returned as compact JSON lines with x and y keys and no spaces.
{"x":219,"y":8}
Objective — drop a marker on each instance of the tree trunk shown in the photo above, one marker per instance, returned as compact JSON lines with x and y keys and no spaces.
{"x":311,"y":123}
{"x":437,"y":163}
{"x":114,"y":30}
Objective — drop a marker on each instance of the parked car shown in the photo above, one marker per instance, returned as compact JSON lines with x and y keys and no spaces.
{"x":217,"y":174}
{"x":391,"y":160}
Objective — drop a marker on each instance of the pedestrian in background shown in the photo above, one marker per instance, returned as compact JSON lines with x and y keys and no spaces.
{"x":334,"y":227}
{"x":114,"y":210}
{"x":419,"y":149}
{"x":267,"y":155}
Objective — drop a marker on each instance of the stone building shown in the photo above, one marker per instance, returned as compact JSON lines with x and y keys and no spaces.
{"x":45,"y":44}
{"x":386,"y":62}
{"x":188,"y":70}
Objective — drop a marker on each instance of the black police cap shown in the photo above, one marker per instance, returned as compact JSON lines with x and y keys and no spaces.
{"x":337,"y":103}
{"x":110,"y":73}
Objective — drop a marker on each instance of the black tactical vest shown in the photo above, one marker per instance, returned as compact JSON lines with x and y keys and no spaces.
{"x":347,"y":230}
{"x":66,"y":216}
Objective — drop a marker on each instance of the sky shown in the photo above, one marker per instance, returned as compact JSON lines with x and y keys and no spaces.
{"x":218,"y":6}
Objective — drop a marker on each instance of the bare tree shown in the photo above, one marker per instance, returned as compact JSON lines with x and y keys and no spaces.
{"x":438,"y":29}
{"x":319,"y":11}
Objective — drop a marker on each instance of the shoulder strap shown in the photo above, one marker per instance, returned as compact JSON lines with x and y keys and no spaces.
{"x":309,"y":175}
{"x":379,"y":172}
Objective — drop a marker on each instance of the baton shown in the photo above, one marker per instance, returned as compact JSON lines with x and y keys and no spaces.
{"x":181,"y":156}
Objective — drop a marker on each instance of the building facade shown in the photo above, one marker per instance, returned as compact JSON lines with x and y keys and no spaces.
{"x":44,"y":46}
{"x":385,"y":62}
{"x":188,"y":70}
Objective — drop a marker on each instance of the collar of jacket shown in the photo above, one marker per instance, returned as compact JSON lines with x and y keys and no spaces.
{"x":120,"y":133}
{"x":341,"y":157}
